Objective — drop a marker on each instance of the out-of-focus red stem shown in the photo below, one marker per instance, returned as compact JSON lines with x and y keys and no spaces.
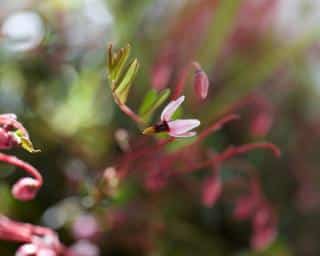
{"x":23,"y":165}
{"x":233,"y":151}
{"x":216,"y":126}
{"x":181,"y":82}
{"x":125,"y":109}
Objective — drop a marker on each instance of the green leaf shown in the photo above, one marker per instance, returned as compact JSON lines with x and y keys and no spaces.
{"x":222,"y":23}
{"x":152,"y":102}
{"x":147,"y":102}
{"x":124,"y":87}
{"x":117,"y":62}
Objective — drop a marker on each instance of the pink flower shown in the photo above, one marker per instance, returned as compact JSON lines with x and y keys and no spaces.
{"x":175,"y":128}
{"x":25,"y":189}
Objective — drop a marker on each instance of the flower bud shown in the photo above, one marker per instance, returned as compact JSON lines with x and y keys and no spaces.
{"x":25,"y":189}
{"x":263,"y":237}
{"x":211,"y":191}
{"x":201,"y":82}
{"x":261,"y":124}
{"x":244,"y":208}
{"x":7,"y":140}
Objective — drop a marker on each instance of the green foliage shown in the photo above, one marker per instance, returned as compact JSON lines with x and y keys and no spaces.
{"x":152,"y":101}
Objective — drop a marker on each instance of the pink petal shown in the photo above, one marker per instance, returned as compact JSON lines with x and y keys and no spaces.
{"x":182,"y":126}
{"x":184,"y":135}
{"x":168,"y":111}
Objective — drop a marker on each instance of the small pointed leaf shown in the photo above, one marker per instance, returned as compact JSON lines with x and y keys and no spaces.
{"x":124,"y":87}
{"x":25,"y":142}
{"x":118,"y":61}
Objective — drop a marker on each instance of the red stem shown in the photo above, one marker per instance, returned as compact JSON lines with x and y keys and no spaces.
{"x":216,"y":126}
{"x":233,"y":151}
{"x":125,"y":109}
{"x":23,"y":165}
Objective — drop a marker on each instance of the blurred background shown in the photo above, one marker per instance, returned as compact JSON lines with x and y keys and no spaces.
{"x":262,"y":59}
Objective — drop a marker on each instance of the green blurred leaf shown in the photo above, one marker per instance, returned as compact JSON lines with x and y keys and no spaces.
{"x":256,"y":73}
{"x":152,"y":102}
{"x":278,"y":248}
{"x":223,"y":19}
{"x":149,"y":99}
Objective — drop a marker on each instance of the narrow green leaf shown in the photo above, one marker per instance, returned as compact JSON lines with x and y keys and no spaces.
{"x":147,"y":102}
{"x":118,"y":62}
{"x":124,"y":87}
{"x":222,"y":22}
{"x":160,"y":99}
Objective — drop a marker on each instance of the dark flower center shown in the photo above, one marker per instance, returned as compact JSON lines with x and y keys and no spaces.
{"x":162,"y":127}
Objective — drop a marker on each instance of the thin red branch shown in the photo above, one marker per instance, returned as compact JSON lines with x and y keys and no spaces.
{"x":233,"y":151}
{"x":216,"y":126}
{"x":23,"y":165}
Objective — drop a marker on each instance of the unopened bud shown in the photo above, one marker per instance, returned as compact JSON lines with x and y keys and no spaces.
{"x":201,"y":82}
{"x":211,"y":191}
{"x":25,"y":189}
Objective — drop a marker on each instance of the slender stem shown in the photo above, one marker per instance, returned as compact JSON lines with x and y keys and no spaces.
{"x":23,"y":165}
{"x":181,"y":83}
{"x":125,"y":109}
{"x":216,"y":126}
{"x":233,"y":151}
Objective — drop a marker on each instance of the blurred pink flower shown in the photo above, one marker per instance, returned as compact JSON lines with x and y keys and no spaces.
{"x":84,"y":248}
{"x":91,"y":227}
